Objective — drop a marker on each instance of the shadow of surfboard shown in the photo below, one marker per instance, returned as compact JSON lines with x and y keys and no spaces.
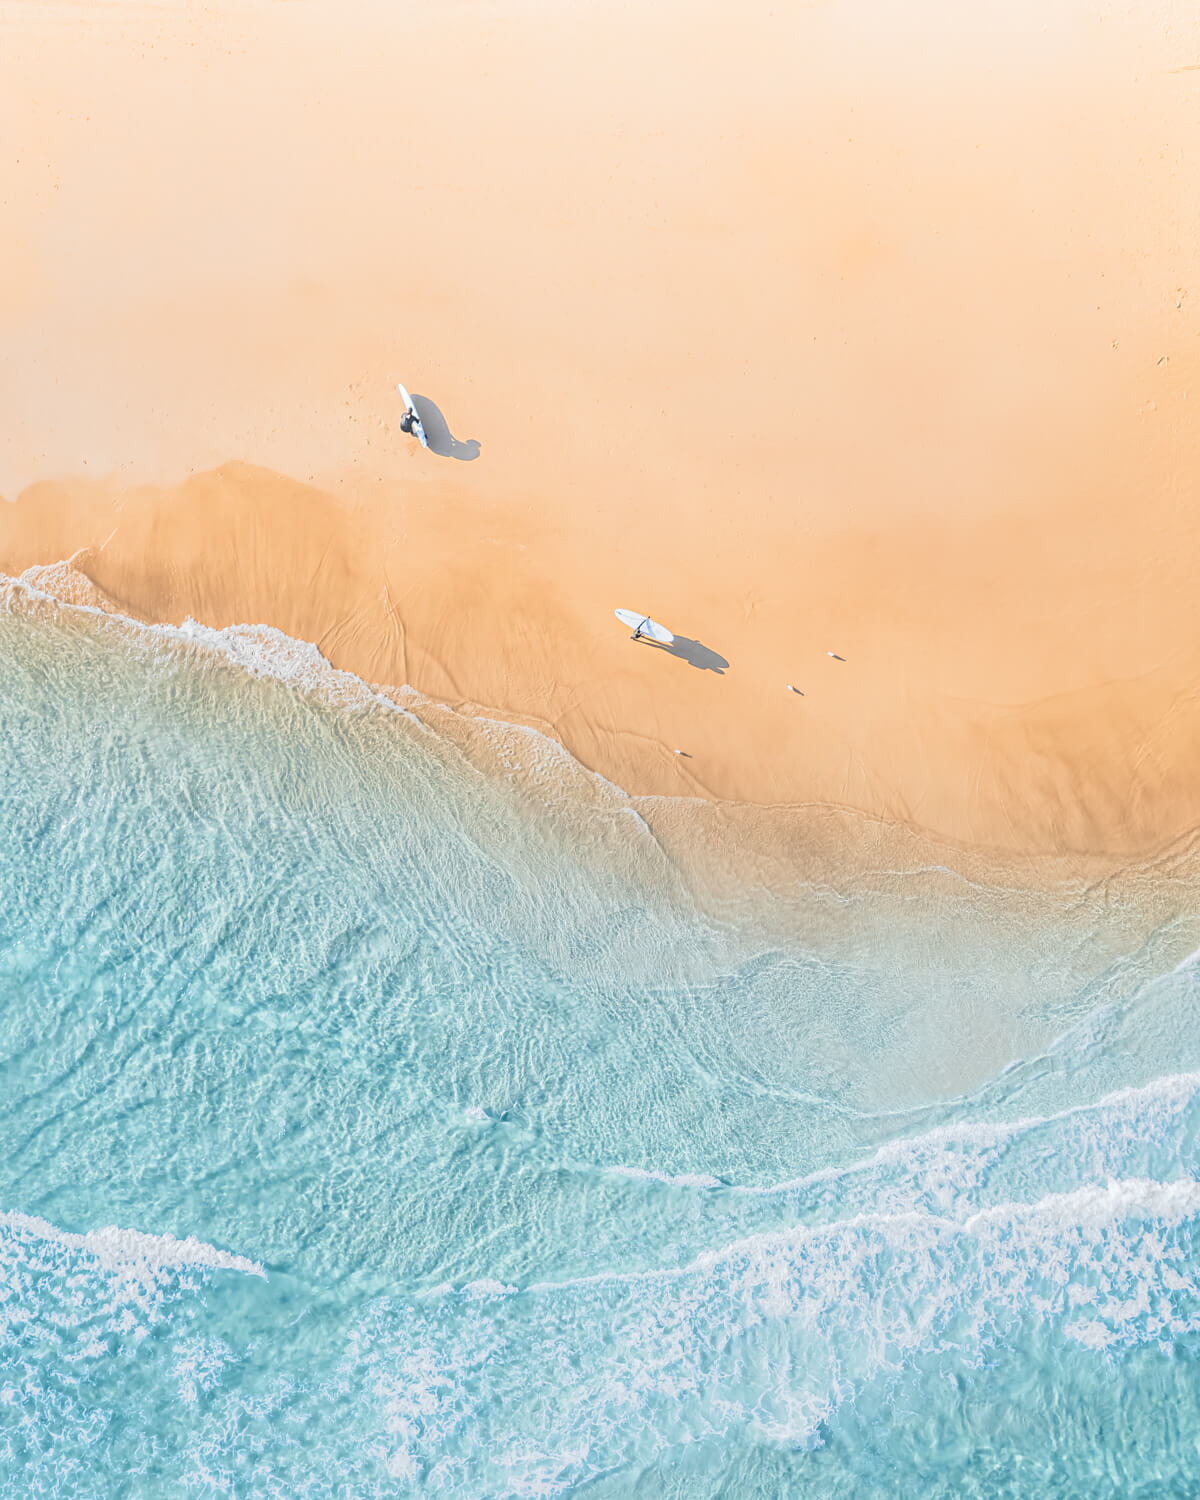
{"x":441,"y":440}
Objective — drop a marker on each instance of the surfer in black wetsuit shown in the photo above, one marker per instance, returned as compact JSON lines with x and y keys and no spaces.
{"x":408,"y":420}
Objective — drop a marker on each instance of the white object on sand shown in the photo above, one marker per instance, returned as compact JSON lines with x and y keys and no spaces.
{"x":417,"y":426}
{"x":795,"y":690}
{"x":643,"y":625}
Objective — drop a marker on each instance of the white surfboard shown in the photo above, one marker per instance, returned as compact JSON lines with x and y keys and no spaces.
{"x":417,"y":426}
{"x":644,"y":625}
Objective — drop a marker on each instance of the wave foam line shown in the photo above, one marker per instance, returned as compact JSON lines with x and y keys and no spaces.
{"x":774,"y":1331}
{"x":668,"y":1179}
{"x":266,"y":651}
{"x":912,"y":1153}
{"x":260,"y":650}
{"x":1087,"y":1212}
{"x":130,"y":1250}
{"x":1175,"y":1089}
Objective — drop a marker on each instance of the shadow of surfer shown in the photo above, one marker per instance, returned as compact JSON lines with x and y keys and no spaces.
{"x":695,"y":653}
{"x":698,"y":655}
{"x":437,"y":430}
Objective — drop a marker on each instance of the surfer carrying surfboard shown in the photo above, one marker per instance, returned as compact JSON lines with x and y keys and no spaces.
{"x":411,"y":422}
{"x":644,"y":628}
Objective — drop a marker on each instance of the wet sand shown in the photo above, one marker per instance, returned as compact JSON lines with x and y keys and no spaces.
{"x":814,"y":333}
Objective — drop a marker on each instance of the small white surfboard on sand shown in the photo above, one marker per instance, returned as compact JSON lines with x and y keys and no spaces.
{"x":416,"y":426}
{"x":643,"y":625}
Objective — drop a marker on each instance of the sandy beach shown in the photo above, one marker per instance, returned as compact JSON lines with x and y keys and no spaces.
{"x":450,"y":1048}
{"x":828,"y":331}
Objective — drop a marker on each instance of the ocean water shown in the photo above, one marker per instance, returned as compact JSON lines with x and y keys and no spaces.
{"x":378,"y":1121}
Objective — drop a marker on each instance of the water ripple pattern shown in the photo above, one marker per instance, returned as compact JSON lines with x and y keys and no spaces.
{"x":374,"y":1125}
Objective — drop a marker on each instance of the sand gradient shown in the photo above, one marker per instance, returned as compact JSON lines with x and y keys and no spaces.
{"x":836,"y":330}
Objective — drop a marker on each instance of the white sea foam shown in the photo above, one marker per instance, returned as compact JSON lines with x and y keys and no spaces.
{"x":1092,"y":1209}
{"x":260,"y":650}
{"x":670,"y":1179}
{"x":130,"y":1251}
{"x":1086,"y":1212}
{"x":540,"y":770}
{"x":952,"y":1140}
{"x":773,"y":1331}
{"x":265,"y":651}
{"x":948,"y":1161}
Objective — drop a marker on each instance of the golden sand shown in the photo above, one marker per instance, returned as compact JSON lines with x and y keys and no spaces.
{"x":815,"y":332}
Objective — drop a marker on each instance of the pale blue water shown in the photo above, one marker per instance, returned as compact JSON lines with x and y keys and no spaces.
{"x":501,"y":1169}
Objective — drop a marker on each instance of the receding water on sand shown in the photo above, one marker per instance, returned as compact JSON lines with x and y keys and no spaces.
{"x":384,"y":1112}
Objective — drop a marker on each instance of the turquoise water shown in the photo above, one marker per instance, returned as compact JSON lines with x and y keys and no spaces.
{"x":375,"y":1125}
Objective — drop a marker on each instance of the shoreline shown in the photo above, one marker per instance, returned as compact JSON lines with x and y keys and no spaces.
{"x":1103,"y":770}
{"x":831,"y":880}
{"x":683,"y":823}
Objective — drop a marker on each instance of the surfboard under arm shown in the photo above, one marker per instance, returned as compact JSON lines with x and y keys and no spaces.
{"x":644,"y":625}
{"x":418,"y":425}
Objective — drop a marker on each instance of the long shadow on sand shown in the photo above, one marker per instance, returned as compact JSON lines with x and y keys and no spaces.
{"x":441,"y":440}
{"x":695,"y":653}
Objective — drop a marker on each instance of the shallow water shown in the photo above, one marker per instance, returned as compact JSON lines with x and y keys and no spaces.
{"x":453,"y":1148}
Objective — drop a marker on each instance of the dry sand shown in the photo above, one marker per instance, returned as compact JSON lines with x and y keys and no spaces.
{"x":862,"y":328}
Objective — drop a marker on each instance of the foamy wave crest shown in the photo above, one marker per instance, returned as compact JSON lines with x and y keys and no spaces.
{"x":957,"y":1168}
{"x":129,"y":1251}
{"x":545,"y":777}
{"x":1089,"y":1211}
{"x":64,"y":582}
{"x":265,"y":651}
{"x":938,"y":1170}
{"x":261,"y":650}
{"x":668,"y":1179}
{"x":765,"y":1333}
{"x":82,"y":1299}
{"x":488,"y":1287}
